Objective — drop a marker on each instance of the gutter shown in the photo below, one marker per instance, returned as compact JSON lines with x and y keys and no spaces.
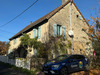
{"x":28,"y":29}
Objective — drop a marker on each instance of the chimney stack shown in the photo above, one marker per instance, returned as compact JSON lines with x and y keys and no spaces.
{"x":31,"y":22}
{"x":63,"y":1}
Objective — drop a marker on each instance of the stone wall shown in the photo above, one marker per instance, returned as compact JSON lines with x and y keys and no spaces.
{"x":24,"y":63}
{"x":37,"y":63}
{"x":18,"y":62}
{"x":62,"y":17}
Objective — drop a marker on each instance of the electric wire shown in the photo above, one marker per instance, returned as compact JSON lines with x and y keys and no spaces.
{"x":3,"y":36}
{"x":6,"y":31}
{"x":19,"y":14}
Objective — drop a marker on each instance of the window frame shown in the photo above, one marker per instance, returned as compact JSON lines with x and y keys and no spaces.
{"x":58,"y":30}
{"x":15,"y":41}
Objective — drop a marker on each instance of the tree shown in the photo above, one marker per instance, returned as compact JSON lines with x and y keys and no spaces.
{"x":94,"y":34}
{"x":94,"y":27}
{"x":4,"y":46}
{"x":28,"y":42}
{"x":55,"y":44}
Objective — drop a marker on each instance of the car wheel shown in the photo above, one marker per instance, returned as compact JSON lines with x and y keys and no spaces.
{"x":63,"y":71}
{"x":87,"y":67}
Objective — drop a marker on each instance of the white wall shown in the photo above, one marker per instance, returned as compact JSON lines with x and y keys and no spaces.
{"x":18,"y":62}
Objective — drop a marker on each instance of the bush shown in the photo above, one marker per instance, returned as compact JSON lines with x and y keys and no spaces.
{"x":94,"y":62}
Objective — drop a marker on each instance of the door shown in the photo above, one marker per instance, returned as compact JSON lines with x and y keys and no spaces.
{"x":72,"y":64}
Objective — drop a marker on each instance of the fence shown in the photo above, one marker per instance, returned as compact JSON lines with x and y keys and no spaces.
{"x":24,"y":63}
{"x":18,"y":62}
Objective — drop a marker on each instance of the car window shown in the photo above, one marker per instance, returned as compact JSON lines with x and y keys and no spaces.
{"x":76,"y":57}
{"x":72,"y":57}
{"x":60,"y":58}
{"x":79,"y":57}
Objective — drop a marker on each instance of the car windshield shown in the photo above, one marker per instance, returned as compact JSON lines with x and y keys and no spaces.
{"x":60,"y":58}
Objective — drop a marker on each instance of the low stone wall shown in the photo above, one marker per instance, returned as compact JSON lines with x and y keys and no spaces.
{"x":37,"y":63}
{"x":21,"y":62}
{"x":4,"y":59}
{"x":18,"y":62}
{"x":24,"y":63}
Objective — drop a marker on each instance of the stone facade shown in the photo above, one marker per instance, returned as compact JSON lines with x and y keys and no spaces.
{"x":62,"y":17}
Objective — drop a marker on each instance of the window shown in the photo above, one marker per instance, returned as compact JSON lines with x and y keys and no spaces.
{"x":14,"y":41}
{"x":60,"y":58}
{"x":37,"y":32}
{"x":73,"y":57}
{"x":80,"y":17}
{"x":77,"y":16}
{"x":58,"y":30}
{"x":76,"y":57}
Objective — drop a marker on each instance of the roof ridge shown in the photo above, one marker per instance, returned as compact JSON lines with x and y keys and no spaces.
{"x":46,"y":17}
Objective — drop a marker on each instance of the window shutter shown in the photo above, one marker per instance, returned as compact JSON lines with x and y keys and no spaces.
{"x":33,"y":51}
{"x":64,"y":32}
{"x":15,"y":41}
{"x":33,"y":33}
{"x":39,"y":32}
{"x":60,"y":30}
{"x":55,"y":30}
{"x":36,"y":52}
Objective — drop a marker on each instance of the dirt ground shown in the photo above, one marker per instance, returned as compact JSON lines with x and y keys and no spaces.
{"x":5,"y":70}
{"x":91,"y":72}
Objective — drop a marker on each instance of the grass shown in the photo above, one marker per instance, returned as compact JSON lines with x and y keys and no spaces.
{"x":20,"y":69}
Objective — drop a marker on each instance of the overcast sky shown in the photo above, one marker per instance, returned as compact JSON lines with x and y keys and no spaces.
{"x":11,"y":8}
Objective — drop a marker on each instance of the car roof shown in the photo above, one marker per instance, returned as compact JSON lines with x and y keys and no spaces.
{"x":76,"y":55}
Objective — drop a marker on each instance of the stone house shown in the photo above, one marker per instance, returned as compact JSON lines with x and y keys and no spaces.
{"x":57,"y":22}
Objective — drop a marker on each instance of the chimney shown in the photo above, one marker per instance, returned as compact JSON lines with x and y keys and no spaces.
{"x":63,"y":1}
{"x":31,"y":22}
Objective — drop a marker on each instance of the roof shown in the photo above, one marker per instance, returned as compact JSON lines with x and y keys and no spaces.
{"x":46,"y":17}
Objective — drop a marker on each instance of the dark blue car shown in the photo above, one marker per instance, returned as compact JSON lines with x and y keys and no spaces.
{"x":65,"y":64}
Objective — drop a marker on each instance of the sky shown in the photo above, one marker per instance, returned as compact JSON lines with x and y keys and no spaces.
{"x":11,"y":8}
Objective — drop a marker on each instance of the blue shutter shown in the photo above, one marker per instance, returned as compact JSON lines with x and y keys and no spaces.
{"x":36,"y":51}
{"x":33,"y":51}
{"x":15,"y":41}
{"x":55,"y":30}
{"x":33,"y":33}
{"x":64,"y":32}
{"x":60,"y":30}
{"x":80,"y":17}
{"x":39,"y":32}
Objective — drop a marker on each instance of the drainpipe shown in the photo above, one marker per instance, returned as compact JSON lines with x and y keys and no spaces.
{"x":70,"y":32}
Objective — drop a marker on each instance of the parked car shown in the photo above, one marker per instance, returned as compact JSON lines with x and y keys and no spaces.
{"x":65,"y":64}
